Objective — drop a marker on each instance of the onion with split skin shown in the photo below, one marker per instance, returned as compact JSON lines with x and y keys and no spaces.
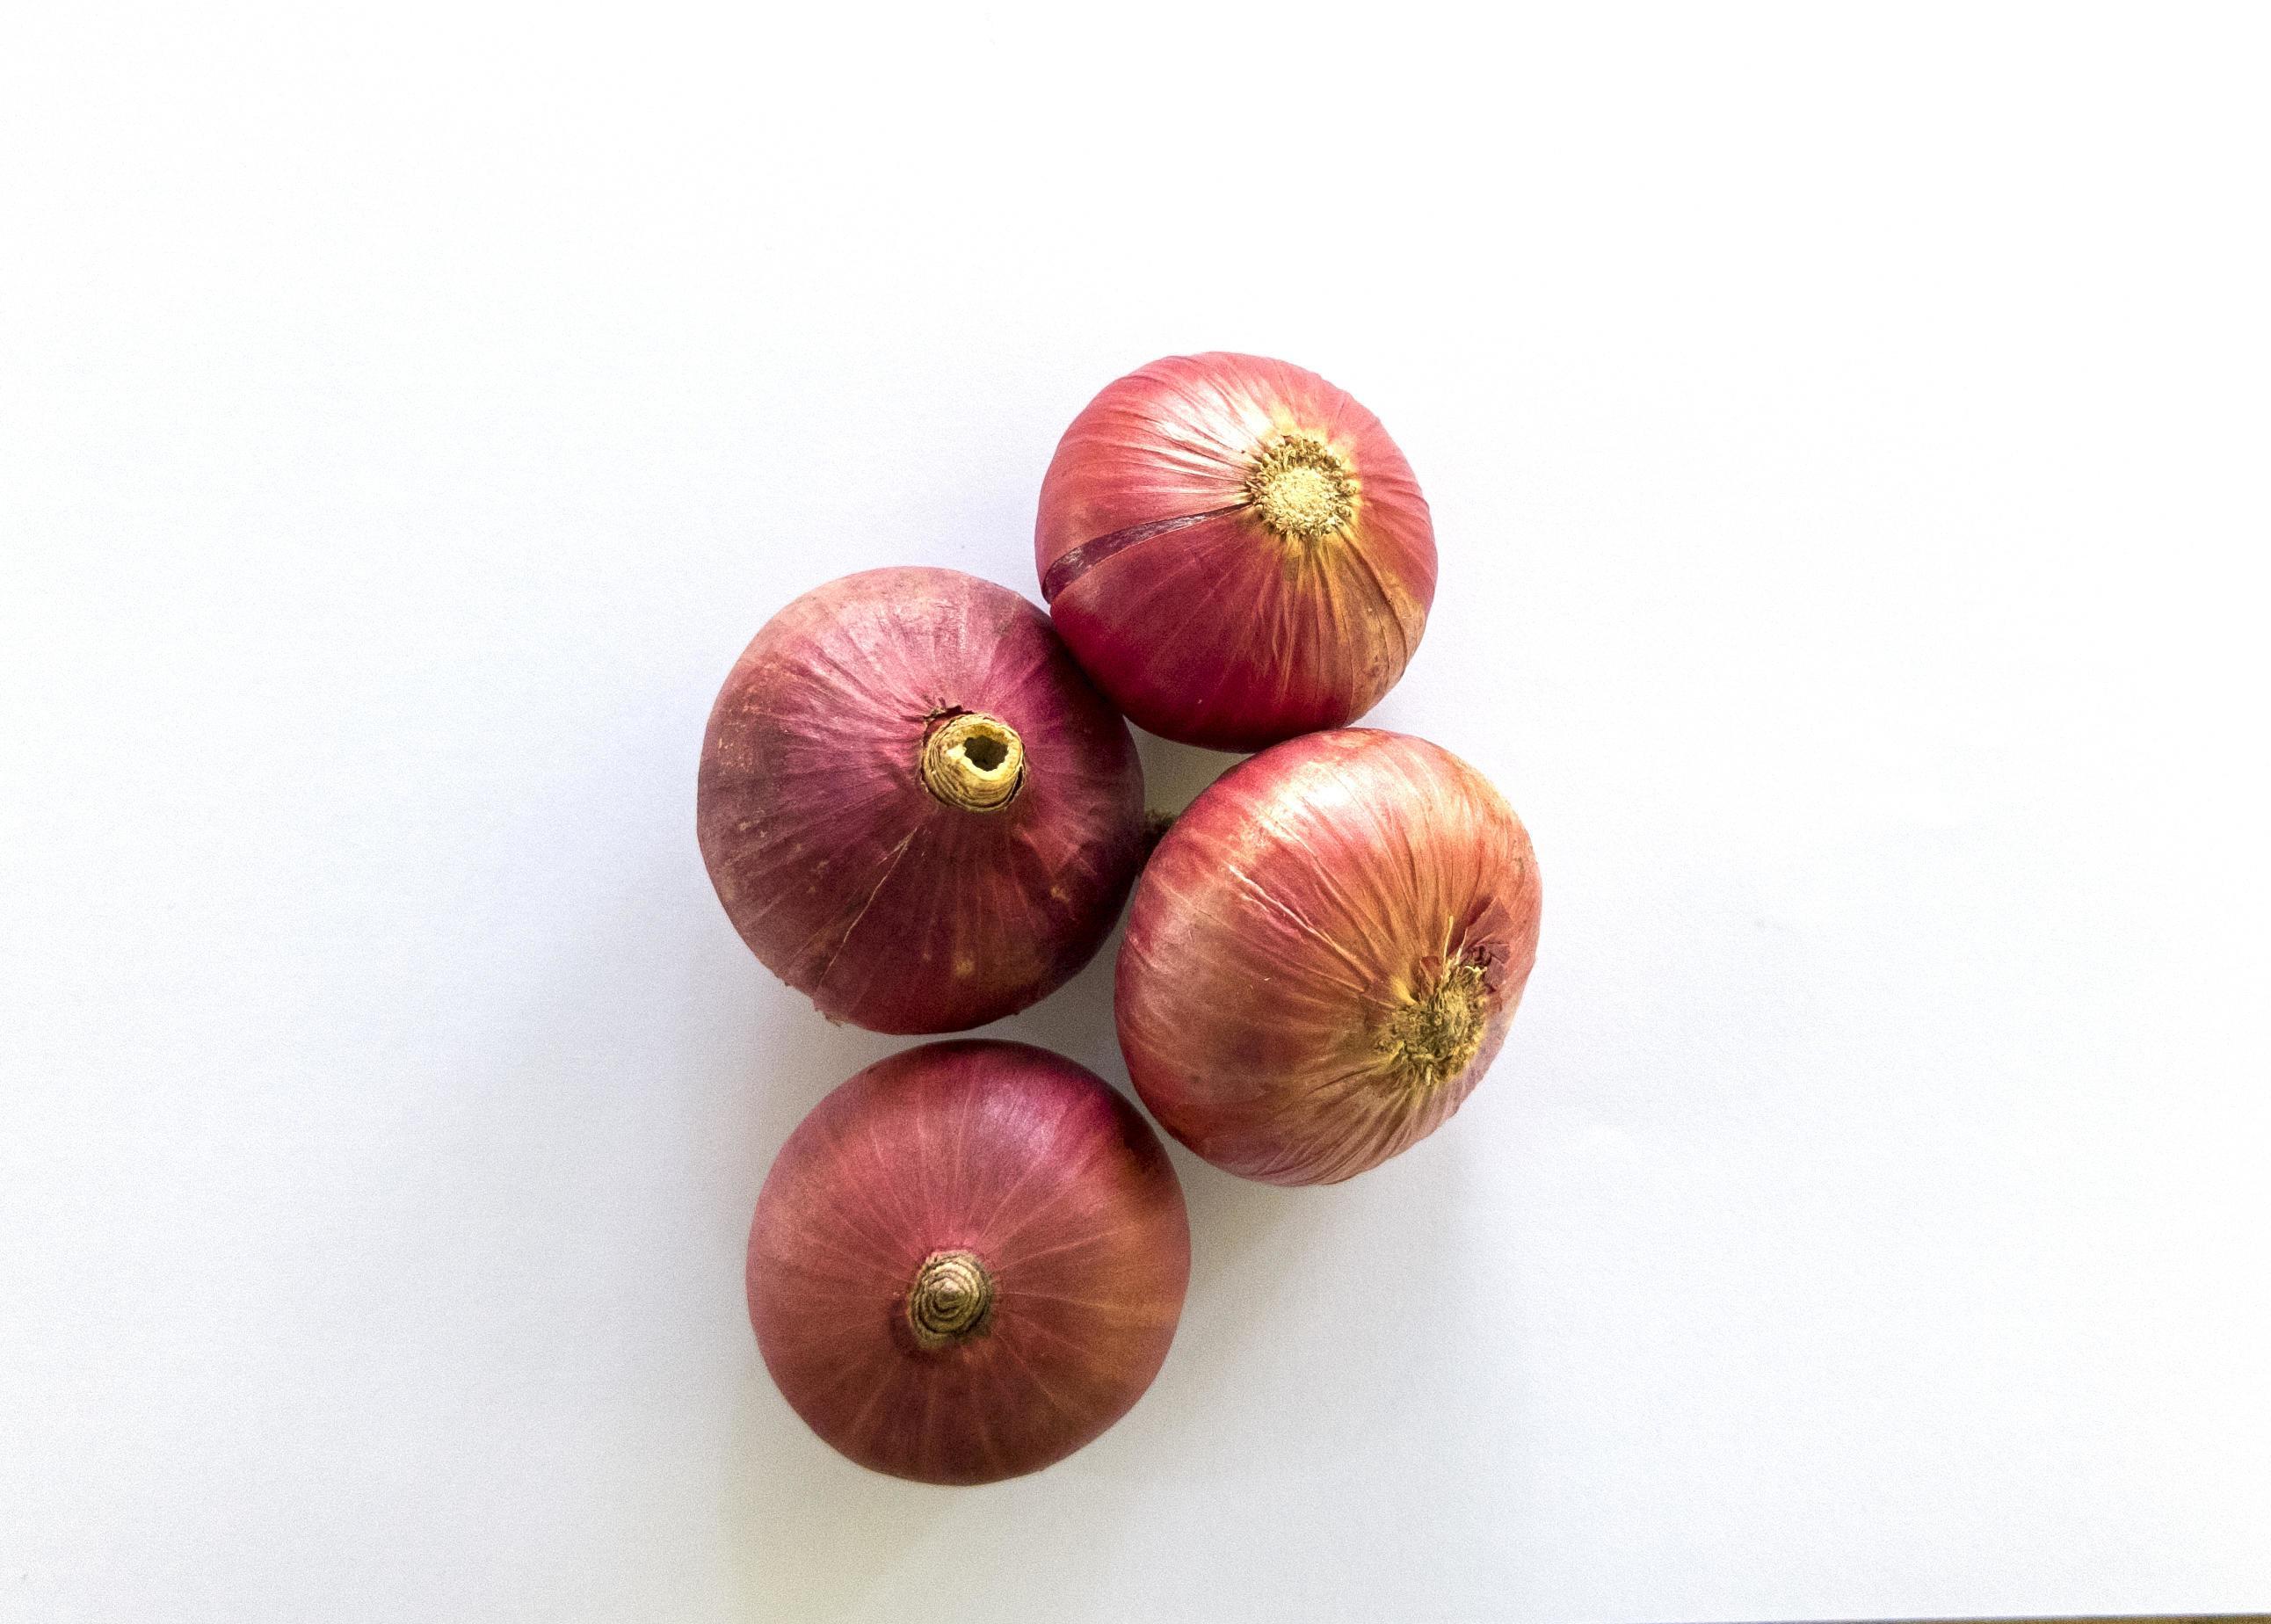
{"x":967,"y":1262}
{"x":1235,"y":549}
{"x":914,"y":807}
{"x":1324,"y":954}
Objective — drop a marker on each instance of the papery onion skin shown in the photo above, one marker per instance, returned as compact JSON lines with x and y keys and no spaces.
{"x":1324,"y":954}
{"x":838,"y":860}
{"x":974,"y":1170}
{"x":1235,"y":549}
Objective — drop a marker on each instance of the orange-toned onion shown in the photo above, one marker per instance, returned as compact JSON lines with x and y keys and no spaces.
{"x":967,"y":1262}
{"x":1324,"y":954}
{"x":1235,"y":549}
{"x":915,"y":808}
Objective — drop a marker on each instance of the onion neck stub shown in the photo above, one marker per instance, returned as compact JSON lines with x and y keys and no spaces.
{"x":1434,"y":1032}
{"x":950,"y":1301}
{"x":974,"y":762}
{"x":1302,"y":488}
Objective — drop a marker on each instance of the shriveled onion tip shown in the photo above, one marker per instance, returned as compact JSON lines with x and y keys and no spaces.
{"x":950,"y":1301}
{"x":974,"y":762}
{"x":1430,"y":1035}
{"x":1302,"y":488}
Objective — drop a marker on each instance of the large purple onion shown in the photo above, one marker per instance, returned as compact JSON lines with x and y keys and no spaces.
{"x":1235,"y":549}
{"x":915,"y":808}
{"x":967,"y":1262}
{"x":1325,"y":954}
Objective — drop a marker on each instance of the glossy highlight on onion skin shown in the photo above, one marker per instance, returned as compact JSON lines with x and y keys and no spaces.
{"x":916,"y":808}
{"x":1324,"y":954}
{"x":1235,"y":549}
{"x":967,"y":1262}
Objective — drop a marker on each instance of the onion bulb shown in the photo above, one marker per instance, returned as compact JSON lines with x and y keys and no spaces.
{"x":916,"y":809}
{"x":967,"y":1262}
{"x":1235,"y":549}
{"x":1324,"y":954}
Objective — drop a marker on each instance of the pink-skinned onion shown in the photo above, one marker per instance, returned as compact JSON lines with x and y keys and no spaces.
{"x":914,"y":807}
{"x":967,"y":1262}
{"x":1235,"y":549}
{"x":1324,"y":954}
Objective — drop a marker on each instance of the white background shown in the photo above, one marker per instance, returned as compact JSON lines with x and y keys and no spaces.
{"x":1846,"y":432}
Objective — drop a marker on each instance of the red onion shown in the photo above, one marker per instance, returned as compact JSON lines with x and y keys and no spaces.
{"x":914,"y":807}
{"x":967,"y":1262}
{"x":1324,"y":954}
{"x":1235,"y":549}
